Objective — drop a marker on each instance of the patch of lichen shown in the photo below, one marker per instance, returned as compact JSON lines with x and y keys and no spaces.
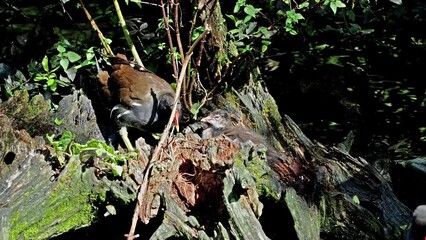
{"x":270,"y":110}
{"x":261,"y":172}
{"x":65,"y":209}
{"x":33,"y":115}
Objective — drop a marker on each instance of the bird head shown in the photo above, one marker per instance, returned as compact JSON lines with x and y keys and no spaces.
{"x":218,"y":119}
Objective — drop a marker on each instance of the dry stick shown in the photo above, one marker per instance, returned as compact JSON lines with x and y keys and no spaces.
{"x":144,"y":186}
{"x":187,"y":94}
{"x":177,"y":29}
{"x":179,"y":43}
{"x":95,"y":26}
{"x":127,"y":33}
{"x":169,"y":38}
{"x":197,"y":65}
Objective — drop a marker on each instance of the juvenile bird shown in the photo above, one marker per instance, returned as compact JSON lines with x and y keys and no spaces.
{"x":220,"y":123}
{"x":139,"y":98}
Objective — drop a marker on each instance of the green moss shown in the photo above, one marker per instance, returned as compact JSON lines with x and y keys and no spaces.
{"x":261,"y":173}
{"x":270,"y":108}
{"x":64,"y":209}
{"x":75,"y":213}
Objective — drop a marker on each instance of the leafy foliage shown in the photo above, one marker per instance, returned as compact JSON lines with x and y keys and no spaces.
{"x":365,"y":55}
{"x":65,"y":146}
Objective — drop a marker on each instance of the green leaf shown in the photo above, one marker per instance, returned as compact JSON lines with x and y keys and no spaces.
{"x":333,"y":7}
{"x":304,"y":5}
{"x":116,"y":170}
{"x":321,"y":47}
{"x":292,"y":32}
{"x":336,"y":4}
{"x":64,"y":63}
{"x":340,"y":4}
{"x":90,"y":54}
{"x":335,"y":60}
{"x":281,"y":13}
{"x":251,"y":11}
{"x":356,"y":199}
{"x":60,"y":48}
{"x":298,"y":16}
{"x":265,"y":32}
{"x":195,"y":109}
{"x":58,"y":121}
{"x":45,"y":63}
{"x":40,"y":77}
{"x":351,"y":15}
{"x":251,"y":26}
{"x":197,"y":32}
{"x":264,"y":48}
{"x":72,"y":56}
{"x":232,"y":17}
{"x":50,"y":138}
{"x":247,"y":19}
{"x":238,"y":5}
{"x":52,"y":84}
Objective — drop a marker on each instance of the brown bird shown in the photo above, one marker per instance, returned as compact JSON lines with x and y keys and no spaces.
{"x":221,"y":124}
{"x":417,"y":227}
{"x":139,"y":98}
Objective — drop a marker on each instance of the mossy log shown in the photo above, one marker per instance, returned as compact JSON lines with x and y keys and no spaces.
{"x":36,"y":200}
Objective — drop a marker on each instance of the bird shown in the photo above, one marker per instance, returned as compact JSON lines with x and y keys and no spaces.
{"x":417,"y":226}
{"x":220,"y":123}
{"x":137,"y":98}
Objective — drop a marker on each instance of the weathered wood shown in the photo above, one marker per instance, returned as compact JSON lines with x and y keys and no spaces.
{"x":36,"y":203}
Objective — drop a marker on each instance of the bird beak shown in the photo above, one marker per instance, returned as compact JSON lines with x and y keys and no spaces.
{"x":206,"y":119}
{"x":176,"y":120}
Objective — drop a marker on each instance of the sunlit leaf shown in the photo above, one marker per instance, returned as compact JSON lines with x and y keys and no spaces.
{"x":251,"y":11}
{"x":195,"y":108}
{"x":60,"y":48}
{"x":304,"y":5}
{"x":356,"y":199}
{"x":116,"y":170}
{"x":64,"y":63}
{"x":72,"y":56}
{"x":58,"y":121}
{"x":45,"y":63}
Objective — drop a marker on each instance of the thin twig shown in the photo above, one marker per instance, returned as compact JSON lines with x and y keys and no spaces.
{"x":187,"y":95}
{"x":155,"y":156}
{"x":127,"y":33}
{"x":177,"y":30}
{"x":96,"y":28}
{"x":169,"y":38}
{"x":192,"y":80}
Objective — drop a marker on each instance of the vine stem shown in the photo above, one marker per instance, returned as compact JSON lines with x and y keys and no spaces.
{"x":127,"y":33}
